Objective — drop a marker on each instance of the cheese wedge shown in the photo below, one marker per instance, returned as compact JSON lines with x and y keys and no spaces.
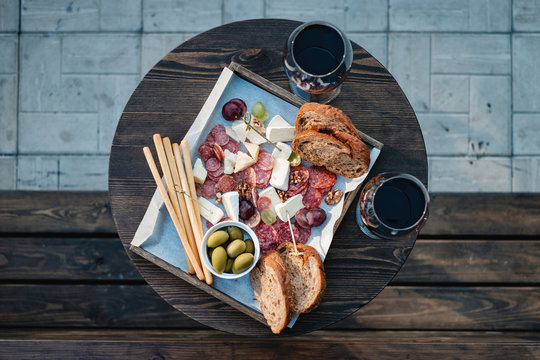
{"x":199,"y":171}
{"x":231,"y":203}
{"x":290,"y":206}
{"x":210,"y":211}
{"x":243,"y":161}
{"x":281,"y":133}
{"x":253,"y":150}
{"x":254,"y":137}
{"x":280,"y":174}
{"x":284,"y":153}
{"x":272,"y":194}
{"x":278,"y":121}
{"x":239,"y":129}
{"x":230,"y":131}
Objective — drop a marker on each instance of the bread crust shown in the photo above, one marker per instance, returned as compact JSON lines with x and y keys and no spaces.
{"x":287,"y":249}
{"x":272,"y":260}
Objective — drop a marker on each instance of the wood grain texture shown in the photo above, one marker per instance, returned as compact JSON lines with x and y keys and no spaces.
{"x":169,"y":98}
{"x":55,"y":212}
{"x":320,"y":345}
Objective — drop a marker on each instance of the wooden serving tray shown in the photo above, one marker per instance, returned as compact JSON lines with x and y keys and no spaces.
{"x":285,"y":95}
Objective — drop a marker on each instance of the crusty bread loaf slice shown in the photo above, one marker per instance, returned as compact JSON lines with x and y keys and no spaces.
{"x":307,"y":275}
{"x":346,"y":156}
{"x":272,"y":287}
{"x":314,"y":116}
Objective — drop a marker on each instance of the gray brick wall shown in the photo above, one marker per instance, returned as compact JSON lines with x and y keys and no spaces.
{"x":469,"y":69}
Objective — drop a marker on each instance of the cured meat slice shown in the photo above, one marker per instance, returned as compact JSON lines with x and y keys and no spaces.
{"x":216,"y":129}
{"x":233,"y":146}
{"x":250,"y":177}
{"x":220,"y":135}
{"x":321,"y":178}
{"x":212,"y":164}
{"x":206,"y":151}
{"x":210,"y":139}
{"x":297,"y":172}
{"x":208,"y":189}
{"x":284,"y":232}
{"x":312,"y":198}
{"x":305,"y":233}
{"x":238,"y":177}
{"x":265,"y":161}
{"x":219,"y":152}
{"x":267,"y":236}
{"x":325,"y":191}
{"x":262,"y":177}
{"x":225,"y":183}
{"x":215,"y":175}
{"x":264,"y":203}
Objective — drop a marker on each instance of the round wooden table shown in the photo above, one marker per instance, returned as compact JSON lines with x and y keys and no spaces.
{"x":167,"y":101}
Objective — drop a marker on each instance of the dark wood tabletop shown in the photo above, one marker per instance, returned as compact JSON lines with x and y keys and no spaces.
{"x":167,"y":101}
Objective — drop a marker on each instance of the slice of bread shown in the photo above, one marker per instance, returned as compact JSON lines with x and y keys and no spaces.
{"x":319,"y":128}
{"x":325,"y":150}
{"x":272,"y":287}
{"x":307,"y":275}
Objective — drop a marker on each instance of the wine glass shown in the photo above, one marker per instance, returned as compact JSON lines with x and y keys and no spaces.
{"x":318,"y":57}
{"x":393,"y":206}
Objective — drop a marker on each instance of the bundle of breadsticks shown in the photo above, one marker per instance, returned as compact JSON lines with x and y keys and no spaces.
{"x":180,"y":198}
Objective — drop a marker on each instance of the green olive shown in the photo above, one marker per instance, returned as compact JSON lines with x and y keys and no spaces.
{"x":219,"y":259}
{"x":235,"y":232}
{"x":210,"y":251}
{"x":217,"y":238}
{"x":236,"y":248}
{"x":228,"y":267}
{"x":250,"y":246}
{"x":242,"y":262}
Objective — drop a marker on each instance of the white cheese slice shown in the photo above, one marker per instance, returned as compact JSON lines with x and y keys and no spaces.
{"x":240,"y":129}
{"x":199,"y":172}
{"x":228,"y":167}
{"x":243,"y":161}
{"x":272,"y":194}
{"x":230,"y":156}
{"x":231,"y":203}
{"x":209,"y":211}
{"x":278,"y":121}
{"x":254,"y":137}
{"x":290,"y":206}
{"x":284,"y":153}
{"x":282,"y":133}
{"x":230,"y":131}
{"x":280,"y":174}
{"x":253,"y":149}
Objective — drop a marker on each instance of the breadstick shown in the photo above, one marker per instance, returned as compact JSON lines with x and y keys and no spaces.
{"x":187,"y":196}
{"x":182,"y":212}
{"x":191,"y":180}
{"x":170,"y":208}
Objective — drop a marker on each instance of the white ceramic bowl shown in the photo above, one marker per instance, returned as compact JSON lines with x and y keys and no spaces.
{"x":248,"y":233}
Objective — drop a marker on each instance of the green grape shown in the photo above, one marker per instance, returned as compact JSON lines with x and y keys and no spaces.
{"x":268,"y":216}
{"x":295,"y":159}
{"x":258,"y":110}
{"x":265,"y":117}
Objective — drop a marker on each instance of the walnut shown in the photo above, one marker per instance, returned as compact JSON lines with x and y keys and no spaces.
{"x":296,"y":177}
{"x":282,"y":195}
{"x":218,"y":197}
{"x":244,"y":190}
{"x":333,"y":197}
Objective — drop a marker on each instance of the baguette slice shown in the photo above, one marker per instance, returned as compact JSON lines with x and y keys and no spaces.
{"x":307,"y":275}
{"x":346,"y":156}
{"x":272,"y":287}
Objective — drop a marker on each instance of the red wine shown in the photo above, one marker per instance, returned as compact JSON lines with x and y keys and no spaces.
{"x":318,"y":49}
{"x":399,"y":203}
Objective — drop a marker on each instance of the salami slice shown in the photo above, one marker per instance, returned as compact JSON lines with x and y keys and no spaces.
{"x":238,"y":177}
{"x":210,"y":139}
{"x":206,"y":152}
{"x":284,"y":232}
{"x":208,"y":189}
{"x":267,"y":236}
{"x":262,"y":177}
{"x":221,"y":138}
{"x":265,"y":161}
{"x":277,"y":223}
{"x":264,"y":203}
{"x":212,"y":164}
{"x":297,"y":172}
{"x":325,"y":191}
{"x":312,"y":198}
{"x":225,"y":183}
{"x":215,"y":175}
{"x":219,"y":152}
{"x":305,"y":233}
{"x":217,"y":129}
{"x":250,"y":177}
{"x":321,"y":178}
{"x":233,"y":146}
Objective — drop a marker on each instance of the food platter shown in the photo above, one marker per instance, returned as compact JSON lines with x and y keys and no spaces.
{"x":156,"y":240}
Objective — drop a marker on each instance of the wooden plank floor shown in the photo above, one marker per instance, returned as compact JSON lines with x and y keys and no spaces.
{"x":470,"y":289}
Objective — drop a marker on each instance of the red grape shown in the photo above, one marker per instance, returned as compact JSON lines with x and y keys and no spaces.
{"x":234,"y":109}
{"x":316,"y":216}
{"x":301,"y":219}
{"x":246,"y":209}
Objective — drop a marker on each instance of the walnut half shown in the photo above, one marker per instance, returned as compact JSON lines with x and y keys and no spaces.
{"x":282,"y":195}
{"x":244,"y":190}
{"x":333,"y":197}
